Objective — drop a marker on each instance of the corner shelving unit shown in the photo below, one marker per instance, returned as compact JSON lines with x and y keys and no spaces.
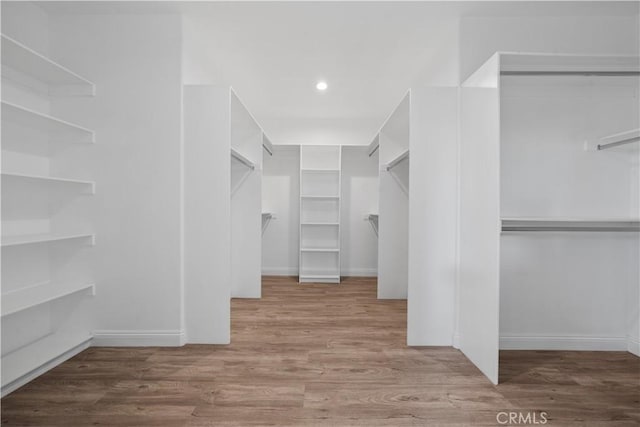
{"x":45,"y":269}
{"x":320,"y":184}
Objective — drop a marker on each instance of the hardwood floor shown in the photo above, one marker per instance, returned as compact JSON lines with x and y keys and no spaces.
{"x":324,"y":355}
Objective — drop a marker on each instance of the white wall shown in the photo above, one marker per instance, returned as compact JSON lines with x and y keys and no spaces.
{"x":281,"y":197}
{"x":135,"y":61}
{"x":246,"y":203}
{"x":207,"y":214}
{"x":359,"y":243}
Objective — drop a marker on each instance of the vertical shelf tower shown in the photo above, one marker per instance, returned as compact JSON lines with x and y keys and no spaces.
{"x":320,"y":184}
{"x":46,"y":227}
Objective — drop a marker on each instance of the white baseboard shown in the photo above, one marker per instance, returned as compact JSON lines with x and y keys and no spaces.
{"x":359,"y":272}
{"x":633,"y":345}
{"x":279,"y":271}
{"x":134,"y":338}
{"x":580,"y":343}
{"x":29,"y":376}
{"x":456,"y":340}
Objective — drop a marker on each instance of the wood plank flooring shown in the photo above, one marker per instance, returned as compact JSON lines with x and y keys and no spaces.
{"x":324,"y":355}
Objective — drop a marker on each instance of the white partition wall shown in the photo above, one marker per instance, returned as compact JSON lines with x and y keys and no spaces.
{"x":479,"y":265}
{"x":207,"y":214}
{"x":549,"y":222}
{"x":246,"y":202}
{"x":320,"y":184}
{"x":393,"y":232}
{"x":47,"y":232}
{"x":432,"y":216}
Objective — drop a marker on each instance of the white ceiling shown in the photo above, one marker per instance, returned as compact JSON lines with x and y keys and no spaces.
{"x":370,"y":53}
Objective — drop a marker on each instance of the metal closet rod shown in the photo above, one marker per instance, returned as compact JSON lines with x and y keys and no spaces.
{"x":243,"y":159}
{"x":572,"y":73}
{"x":617,"y":143}
{"x":397,"y":160}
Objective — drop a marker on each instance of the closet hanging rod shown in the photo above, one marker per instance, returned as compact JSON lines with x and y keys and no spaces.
{"x":372,"y":152}
{"x":572,"y":73}
{"x":393,"y":163}
{"x":243,"y":159}
{"x":618,"y":143}
{"x":575,"y":229}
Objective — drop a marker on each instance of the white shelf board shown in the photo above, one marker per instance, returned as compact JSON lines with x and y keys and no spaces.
{"x":320,"y":278}
{"x":319,"y":250}
{"x":319,"y":197}
{"x":22,"y":299}
{"x":320,"y":170}
{"x":59,"y":79}
{"x":49,"y":179}
{"x":321,"y":223}
{"x":571,"y":224}
{"x":29,"y":239}
{"x":242,"y":159}
{"x":61,"y":129}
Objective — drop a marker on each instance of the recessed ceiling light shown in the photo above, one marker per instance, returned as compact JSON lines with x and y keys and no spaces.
{"x":322,"y":86}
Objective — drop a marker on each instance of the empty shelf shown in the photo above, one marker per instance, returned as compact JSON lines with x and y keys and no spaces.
{"x":22,"y":299}
{"x":49,"y":179}
{"x":60,"y":80}
{"x":61,"y":129}
{"x":320,"y":170}
{"x":319,"y":250}
{"x":42,"y":238}
{"x":319,"y":277}
{"x":570,"y":224}
{"x":321,"y":223}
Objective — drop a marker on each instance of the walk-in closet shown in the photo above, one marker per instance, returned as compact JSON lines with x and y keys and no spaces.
{"x":312,"y":213}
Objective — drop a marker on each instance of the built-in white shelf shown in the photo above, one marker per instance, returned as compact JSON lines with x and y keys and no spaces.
{"x":242,"y":159}
{"x":319,"y":250}
{"x":320,"y":170}
{"x":58,"y":79}
{"x":319,"y":277}
{"x":28,"y":239}
{"x":50,"y":180}
{"x":22,"y":299}
{"x":397,"y":160}
{"x":60,"y":130}
{"x":571,"y":224}
{"x":321,"y":223}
